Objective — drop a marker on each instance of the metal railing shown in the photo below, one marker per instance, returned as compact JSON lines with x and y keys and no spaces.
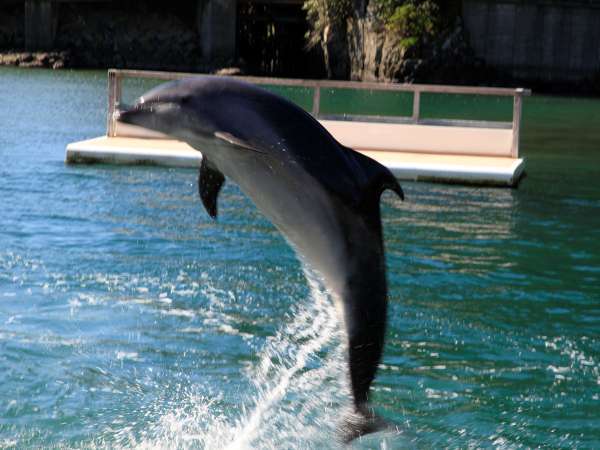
{"x":116,"y":76}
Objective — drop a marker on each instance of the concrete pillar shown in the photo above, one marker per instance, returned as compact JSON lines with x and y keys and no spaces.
{"x":216,"y":27}
{"x":40,"y":24}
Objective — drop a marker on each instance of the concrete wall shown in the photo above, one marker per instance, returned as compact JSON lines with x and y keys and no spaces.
{"x":216,"y":27}
{"x":40,"y":24}
{"x":537,"y":39}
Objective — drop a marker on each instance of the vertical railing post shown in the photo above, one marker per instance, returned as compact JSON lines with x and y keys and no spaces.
{"x":416,"y":106}
{"x":114,"y":98}
{"x":516,"y":124}
{"x":316,"y":106}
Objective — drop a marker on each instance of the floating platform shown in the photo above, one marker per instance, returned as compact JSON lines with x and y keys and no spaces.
{"x":451,"y":151}
{"x":484,"y":170}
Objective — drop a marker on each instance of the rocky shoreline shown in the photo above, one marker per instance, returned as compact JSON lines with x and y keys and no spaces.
{"x":92,"y":36}
{"x":45,"y":60}
{"x":99,"y":36}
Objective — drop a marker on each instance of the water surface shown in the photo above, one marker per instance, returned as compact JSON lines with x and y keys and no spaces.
{"x":129,"y":319}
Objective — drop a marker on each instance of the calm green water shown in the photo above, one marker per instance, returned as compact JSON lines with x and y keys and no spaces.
{"x":129,"y":319}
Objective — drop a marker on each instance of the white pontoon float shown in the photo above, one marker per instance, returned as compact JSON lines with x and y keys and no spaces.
{"x":457,"y":151}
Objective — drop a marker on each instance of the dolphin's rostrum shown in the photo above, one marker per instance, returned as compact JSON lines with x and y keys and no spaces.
{"x":322,"y":196}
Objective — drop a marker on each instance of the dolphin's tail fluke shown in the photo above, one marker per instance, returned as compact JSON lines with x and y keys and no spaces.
{"x":360,"y":422}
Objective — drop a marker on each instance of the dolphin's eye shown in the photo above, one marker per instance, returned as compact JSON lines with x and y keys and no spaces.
{"x":185,"y":99}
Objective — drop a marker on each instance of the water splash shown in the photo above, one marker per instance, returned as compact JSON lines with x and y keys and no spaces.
{"x":301,"y":380}
{"x":298,"y":391}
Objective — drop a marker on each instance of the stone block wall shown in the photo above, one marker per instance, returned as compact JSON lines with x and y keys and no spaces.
{"x":537,"y":39}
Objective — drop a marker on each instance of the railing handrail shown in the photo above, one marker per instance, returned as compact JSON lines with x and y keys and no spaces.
{"x":364,"y":85}
{"x":115,"y":76}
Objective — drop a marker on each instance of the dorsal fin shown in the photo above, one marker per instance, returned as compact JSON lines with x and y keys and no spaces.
{"x":378,"y":178}
{"x":210,"y":181}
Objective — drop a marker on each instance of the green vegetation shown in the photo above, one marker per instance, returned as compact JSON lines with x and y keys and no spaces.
{"x":371,"y":39}
{"x":410,"y":22}
{"x":324,"y":14}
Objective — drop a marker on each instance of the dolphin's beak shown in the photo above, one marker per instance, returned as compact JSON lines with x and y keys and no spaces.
{"x":140,"y":114}
{"x":154,"y":115}
{"x":128,"y":114}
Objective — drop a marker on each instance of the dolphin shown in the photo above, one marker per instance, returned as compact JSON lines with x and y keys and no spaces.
{"x":322,"y":196}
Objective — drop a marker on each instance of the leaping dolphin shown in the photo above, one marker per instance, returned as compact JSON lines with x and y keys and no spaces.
{"x":322,"y":196}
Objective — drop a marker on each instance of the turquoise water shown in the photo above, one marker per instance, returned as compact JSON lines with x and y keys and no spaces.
{"x":128,"y":319}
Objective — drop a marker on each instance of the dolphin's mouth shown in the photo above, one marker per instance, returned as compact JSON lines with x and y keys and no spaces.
{"x":145,"y":112}
{"x":141,"y":115}
{"x":126,"y":114}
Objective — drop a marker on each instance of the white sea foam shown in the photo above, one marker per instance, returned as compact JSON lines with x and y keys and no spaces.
{"x":179,"y":312}
{"x":299,"y":391}
{"x":193,"y":330}
{"x":127,"y":355}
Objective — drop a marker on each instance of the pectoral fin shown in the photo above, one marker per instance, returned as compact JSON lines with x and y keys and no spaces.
{"x":210,"y":182}
{"x":233,"y":140}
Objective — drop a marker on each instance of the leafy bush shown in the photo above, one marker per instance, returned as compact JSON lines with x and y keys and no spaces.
{"x":372,"y":39}
{"x":322,"y":14}
{"x":411,"y":22}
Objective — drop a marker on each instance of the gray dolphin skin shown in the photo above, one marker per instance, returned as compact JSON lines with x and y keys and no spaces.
{"x":322,"y":196}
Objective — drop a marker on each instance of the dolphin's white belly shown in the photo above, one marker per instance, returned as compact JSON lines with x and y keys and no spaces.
{"x":300,"y":208}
